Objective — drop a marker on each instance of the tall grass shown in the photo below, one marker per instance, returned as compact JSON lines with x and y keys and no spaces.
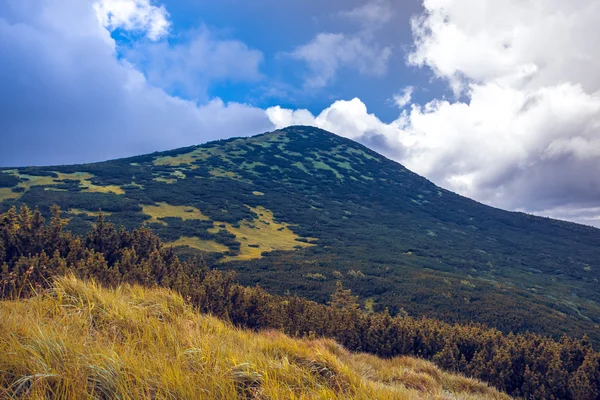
{"x":81,"y":341}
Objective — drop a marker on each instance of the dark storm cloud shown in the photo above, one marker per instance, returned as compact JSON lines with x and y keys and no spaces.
{"x":65,"y":97}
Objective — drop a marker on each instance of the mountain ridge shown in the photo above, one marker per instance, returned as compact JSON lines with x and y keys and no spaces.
{"x":300,"y":208}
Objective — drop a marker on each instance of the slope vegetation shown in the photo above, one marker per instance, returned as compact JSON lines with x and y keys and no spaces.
{"x":298,"y":209}
{"x":79,"y":341}
{"x":527,"y":366}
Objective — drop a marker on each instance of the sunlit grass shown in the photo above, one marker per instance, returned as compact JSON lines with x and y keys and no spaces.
{"x":262,"y":234}
{"x":221,"y":173}
{"x":81,"y":211}
{"x":181,"y":159}
{"x":301,"y":166}
{"x":80,"y":341}
{"x":196,"y":243}
{"x":7,"y":193}
{"x":83,"y":178}
{"x":165,"y":180}
{"x":323,"y":166}
{"x":164,"y":210}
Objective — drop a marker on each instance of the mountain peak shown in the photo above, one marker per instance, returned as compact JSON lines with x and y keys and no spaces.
{"x":299,"y":208}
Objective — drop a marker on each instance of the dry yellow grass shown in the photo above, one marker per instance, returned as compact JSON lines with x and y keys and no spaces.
{"x":164,"y":210}
{"x":179,"y":174}
{"x":175,"y":176}
{"x":165,"y":180}
{"x":81,"y":211}
{"x":103,"y":189}
{"x":7,"y":193}
{"x":184,"y":159}
{"x":79,"y":341}
{"x":221,"y":173}
{"x":203,"y":245}
{"x":84,"y":179}
{"x":260,"y":235}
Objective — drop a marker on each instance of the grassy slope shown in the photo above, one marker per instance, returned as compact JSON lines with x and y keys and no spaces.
{"x":82,"y":341}
{"x":394,"y":238}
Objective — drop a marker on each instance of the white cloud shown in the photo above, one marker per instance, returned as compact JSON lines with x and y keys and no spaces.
{"x":372,"y":14}
{"x":521,"y":44}
{"x":190,"y":66}
{"x":133,"y":15}
{"x":404,"y":97}
{"x":328,"y":52}
{"x":527,"y":135}
{"x":65,"y":90}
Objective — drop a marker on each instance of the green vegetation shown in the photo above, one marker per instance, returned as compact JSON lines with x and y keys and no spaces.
{"x":341,"y":207}
{"x":54,"y":342}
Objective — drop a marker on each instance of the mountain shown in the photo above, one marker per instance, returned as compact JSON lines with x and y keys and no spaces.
{"x":298,"y":209}
{"x":82,"y":342}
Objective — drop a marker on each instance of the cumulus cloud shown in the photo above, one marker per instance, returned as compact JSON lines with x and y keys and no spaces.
{"x":66,"y":97}
{"x":404,"y":97}
{"x":371,"y":14}
{"x":513,"y":43}
{"x":328,"y":52}
{"x":133,"y":15}
{"x":189,"y":66}
{"x":525,"y":132}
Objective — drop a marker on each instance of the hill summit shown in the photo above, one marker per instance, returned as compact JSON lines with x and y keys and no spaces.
{"x":300,"y":208}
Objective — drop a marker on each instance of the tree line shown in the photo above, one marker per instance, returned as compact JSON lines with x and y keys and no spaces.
{"x":32,"y":251}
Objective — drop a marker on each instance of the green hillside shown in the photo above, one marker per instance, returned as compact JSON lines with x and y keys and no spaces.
{"x":298,"y":209}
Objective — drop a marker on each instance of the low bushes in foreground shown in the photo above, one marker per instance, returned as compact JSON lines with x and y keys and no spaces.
{"x":80,"y":341}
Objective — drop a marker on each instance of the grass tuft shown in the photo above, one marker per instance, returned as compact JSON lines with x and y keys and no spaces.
{"x":80,"y":341}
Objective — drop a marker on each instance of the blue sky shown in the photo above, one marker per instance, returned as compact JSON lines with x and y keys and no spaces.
{"x":274,"y":29}
{"x":498,"y":101}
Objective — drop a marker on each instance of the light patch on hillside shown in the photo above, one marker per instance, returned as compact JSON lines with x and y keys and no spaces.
{"x":7,"y":193}
{"x":221,"y":173}
{"x":321,"y":165}
{"x":362,"y":153}
{"x":301,"y":166}
{"x":83,"y":178}
{"x":249,"y":166}
{"x":164,"y":210}
{"x":262,"y":234}
{"x":81,"y":211}
{"x":165,"y":180}
{"x":269,"y":139}
{"x":181,"y":159}
{"x":224,"y":151}
{"x":173,"y":176}
{"x":196,"y":243}
{"x":179,"y":174}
